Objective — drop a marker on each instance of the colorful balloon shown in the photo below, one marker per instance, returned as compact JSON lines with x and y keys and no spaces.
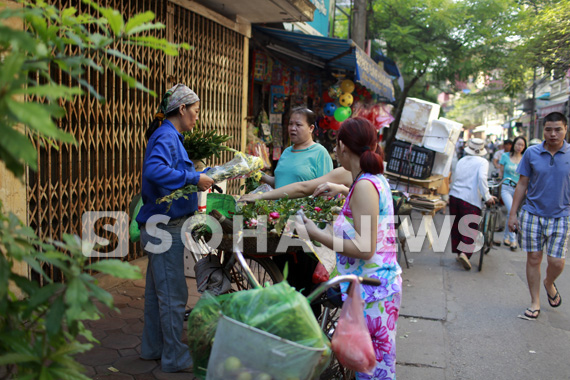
{"x":335,"y":91}
{"x":329,"y":109}
{"x":342,"y":113}
{"x":334,"y":125}
{"x":346,"y":99}
{"x":347,"y":86}
{"x":325,"y":122}
{"x":326,"y":97}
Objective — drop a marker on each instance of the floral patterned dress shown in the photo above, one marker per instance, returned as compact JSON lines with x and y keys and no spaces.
{"x":382,"y":303}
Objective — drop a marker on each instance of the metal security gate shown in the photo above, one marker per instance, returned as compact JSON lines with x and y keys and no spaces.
{"x":103,"y":171}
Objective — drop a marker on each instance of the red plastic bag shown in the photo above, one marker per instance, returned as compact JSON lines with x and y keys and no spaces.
{"x":351,"y":342}
{"x":320,"y":274}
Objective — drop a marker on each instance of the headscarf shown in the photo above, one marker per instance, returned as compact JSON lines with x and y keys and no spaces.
{"x":174,"y":98}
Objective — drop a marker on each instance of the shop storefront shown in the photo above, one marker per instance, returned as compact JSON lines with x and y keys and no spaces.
{"x":332,"y":77}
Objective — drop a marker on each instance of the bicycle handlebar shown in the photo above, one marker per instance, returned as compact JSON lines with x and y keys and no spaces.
{"x":323,"y":286}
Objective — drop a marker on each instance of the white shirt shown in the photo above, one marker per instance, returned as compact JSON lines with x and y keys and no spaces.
{"x":498,"y":154}
{"x":469,"y":180}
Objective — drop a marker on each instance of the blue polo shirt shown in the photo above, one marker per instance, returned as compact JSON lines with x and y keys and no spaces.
{"x":549,"y":181}
{"x":166,"y":168}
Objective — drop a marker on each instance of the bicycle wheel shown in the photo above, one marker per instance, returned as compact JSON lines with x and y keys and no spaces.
{"x":491,"y":230}
{"x":335,"y":370}
{"x":264,"y":270}
{"x":483,"y":226}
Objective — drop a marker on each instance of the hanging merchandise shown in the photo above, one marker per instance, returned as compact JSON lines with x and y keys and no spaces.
{"x":334,"y":125}
{"x":335,"y":91}
{"x":329,"y":109}
{"x":347,"y":86}
{"x":277,"y":99}
{"x":346,"y":99}
{"x":326,"y":97}
{"x":342,"y":113}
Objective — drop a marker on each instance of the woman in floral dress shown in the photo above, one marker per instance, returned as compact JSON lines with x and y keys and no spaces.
{"x":365,"y":232}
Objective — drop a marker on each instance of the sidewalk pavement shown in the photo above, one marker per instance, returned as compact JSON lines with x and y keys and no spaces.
{"x":117,"y":357}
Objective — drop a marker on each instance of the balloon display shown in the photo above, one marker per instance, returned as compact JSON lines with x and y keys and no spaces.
{"x":329,"y":109}
{"x":346,"y":99}
{"x":342,"y":113}
{"x":347,"y":86}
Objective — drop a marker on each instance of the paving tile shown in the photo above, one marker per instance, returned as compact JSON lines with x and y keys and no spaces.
{"x":137,"y":303}
{"x":121,"y":297}
{"x":133,"y":291}
{"x":120,"y":340}
{"x":133,"y":326}
{"x":107,"y":323}
{"x":128,"y":352}
{"x":126,"y":313}
{"x":159,"y":375}
{"x":98,"y":355}
{"x":89,"y":371}
{"x":134,"y":365}
{"x":113,"y":376}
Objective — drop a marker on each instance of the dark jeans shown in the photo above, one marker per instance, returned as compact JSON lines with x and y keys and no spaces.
{"x":469,"y":231}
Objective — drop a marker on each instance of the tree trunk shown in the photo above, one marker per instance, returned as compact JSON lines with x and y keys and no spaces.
{"x":400,"y":107}
{"x":359,"y":23}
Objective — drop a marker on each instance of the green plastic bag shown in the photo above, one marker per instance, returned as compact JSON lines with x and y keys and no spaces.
{"x":134,"y":232}
{"x":202,"y":323}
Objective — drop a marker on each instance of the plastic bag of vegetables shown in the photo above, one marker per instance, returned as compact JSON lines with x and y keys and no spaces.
{"x":202,"y":323}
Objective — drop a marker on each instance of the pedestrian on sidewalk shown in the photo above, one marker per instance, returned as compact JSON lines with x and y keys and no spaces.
{"x":508,"y":172}
{"x":166,"y":168}
{"x":468,"y":186}
{"x":365,"y":231}
{"x":545,"y":217}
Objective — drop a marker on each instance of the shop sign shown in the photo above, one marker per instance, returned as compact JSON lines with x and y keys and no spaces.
{"x":321,"y":17}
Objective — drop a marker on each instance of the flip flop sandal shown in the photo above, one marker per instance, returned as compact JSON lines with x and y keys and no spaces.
{"x":551,"y":299}
{"x":529,"y":314}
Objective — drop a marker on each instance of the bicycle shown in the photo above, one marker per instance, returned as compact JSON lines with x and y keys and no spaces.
{"x":489,"y":218}
{"x":274,"y":351}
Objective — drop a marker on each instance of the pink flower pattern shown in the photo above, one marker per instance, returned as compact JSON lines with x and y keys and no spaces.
{"x":382,"y":302}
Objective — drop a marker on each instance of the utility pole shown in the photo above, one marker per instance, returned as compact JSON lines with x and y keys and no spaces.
{"x":359,"y":23}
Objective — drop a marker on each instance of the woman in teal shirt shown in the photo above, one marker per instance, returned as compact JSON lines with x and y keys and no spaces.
{"x":305,"y":159}
{"x":302,"y":161}
{"x":508,"y":168}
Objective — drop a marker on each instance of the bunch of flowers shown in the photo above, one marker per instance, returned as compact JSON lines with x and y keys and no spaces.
{"x":321,"y":210}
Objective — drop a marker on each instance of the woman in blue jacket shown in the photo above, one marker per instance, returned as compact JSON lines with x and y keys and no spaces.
{"x":166,"y":167}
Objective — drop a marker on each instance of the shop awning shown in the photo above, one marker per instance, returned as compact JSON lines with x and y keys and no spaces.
{"x":332,"y":53}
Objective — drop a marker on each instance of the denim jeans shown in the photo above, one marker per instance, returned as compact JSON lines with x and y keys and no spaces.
{"x":507,"y":193}
{"x":166,"y":295}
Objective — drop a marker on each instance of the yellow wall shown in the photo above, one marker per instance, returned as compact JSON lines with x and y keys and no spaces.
{"x":12,"y":189}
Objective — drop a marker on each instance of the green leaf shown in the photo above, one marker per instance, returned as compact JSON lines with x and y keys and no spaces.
{"x":51,"y":92}
{"x":114,"y":18}
{"x":127,"y":58}
{"x":54,"y":316}
{"x":14,"y":358}
{"x":139,"y":20}
{"x":38,"y":117}
{"x":116,"y":268}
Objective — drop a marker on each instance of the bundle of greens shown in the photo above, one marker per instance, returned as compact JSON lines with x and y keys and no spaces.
{"x":242,"y":165}
{"x":201,"y":144}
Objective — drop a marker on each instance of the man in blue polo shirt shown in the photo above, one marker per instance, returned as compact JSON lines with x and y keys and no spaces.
{"x":545,"y":218}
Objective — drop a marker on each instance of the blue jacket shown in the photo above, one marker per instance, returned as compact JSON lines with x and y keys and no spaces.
{"x":166,"y":168}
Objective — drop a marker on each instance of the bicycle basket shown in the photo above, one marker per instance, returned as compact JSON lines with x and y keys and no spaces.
{"x":241,"y":348}
{"x":224,"y":203}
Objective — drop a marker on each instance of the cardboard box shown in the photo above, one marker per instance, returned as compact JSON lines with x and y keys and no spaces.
{"x":442,"y":135}
{"x":417,"y":116}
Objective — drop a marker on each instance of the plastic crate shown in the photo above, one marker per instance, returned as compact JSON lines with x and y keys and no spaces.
{"x":241,"y":348}
{"x":415,"y":162}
